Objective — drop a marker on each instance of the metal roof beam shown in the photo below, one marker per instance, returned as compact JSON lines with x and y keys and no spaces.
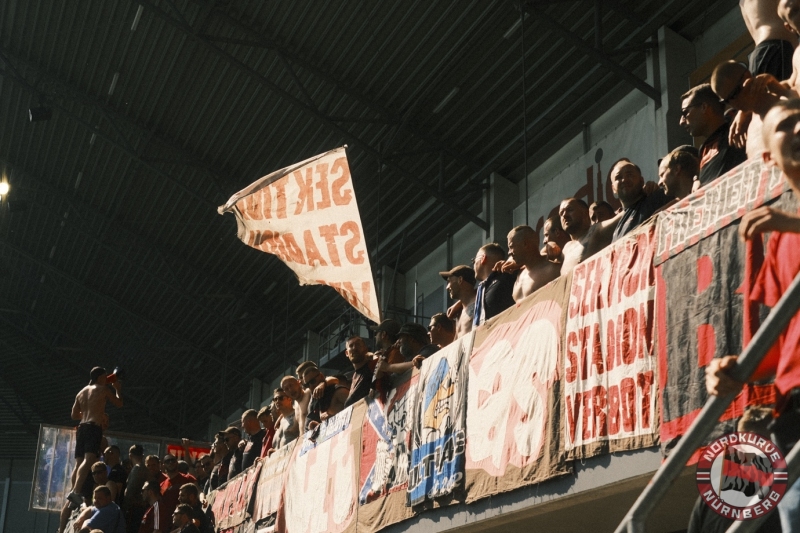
{"x":313,"y":111}
{"x":51,"y":358}
{"x":569,"y":36}
{"x":115,"y":304}
{"x":363,"y":99}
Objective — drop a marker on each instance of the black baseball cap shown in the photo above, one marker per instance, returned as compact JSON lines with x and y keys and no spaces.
{"x":462,"y":271}
{"x":392,"y":327}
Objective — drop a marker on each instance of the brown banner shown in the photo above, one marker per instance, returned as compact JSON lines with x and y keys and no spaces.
{"x":514,"y":394}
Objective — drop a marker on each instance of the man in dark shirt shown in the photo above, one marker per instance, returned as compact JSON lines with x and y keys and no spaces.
{"x":116,"y":473}
{"x":364,"y":369}
{"x":252,"y":427}
{"x":628,"y":184}
{"x":182,"y":520}
{"x":332,"y":400}
{"x":702,"y":115}
{"x":190,"y":495}
{"x":496,"y":289}
{"x":234,"y":458}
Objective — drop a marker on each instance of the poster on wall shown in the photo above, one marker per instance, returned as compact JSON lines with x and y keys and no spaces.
{"x":514,"y":392}
{"x":610,"y":396}
{"x":438,"y":432}
{"x":385,"y":457}
{"x":321,"y":489}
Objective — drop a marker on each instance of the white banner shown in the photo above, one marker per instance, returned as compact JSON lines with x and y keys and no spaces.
{"x":307,"y":215}
{"x":610,"y":396}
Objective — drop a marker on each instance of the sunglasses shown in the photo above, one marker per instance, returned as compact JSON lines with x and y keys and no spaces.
{"x":736,"y":91}
{"x":207,"y":465}
{"x":170,"y":461}
{"x":279,"y":399}
{"x":685,"y":110}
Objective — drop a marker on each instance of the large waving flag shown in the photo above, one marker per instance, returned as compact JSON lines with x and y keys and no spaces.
{"x":307,"y":215}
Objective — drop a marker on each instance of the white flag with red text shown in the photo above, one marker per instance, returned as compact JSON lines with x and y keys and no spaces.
{"x":307,"y":215}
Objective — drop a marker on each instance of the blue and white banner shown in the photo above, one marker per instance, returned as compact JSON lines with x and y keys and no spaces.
{"x":438,"y":431}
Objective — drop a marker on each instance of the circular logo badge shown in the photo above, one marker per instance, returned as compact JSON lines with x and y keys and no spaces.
{"x":741,"y":476}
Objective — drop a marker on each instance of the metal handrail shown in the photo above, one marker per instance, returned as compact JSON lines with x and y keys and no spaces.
{"x":751,"y":357}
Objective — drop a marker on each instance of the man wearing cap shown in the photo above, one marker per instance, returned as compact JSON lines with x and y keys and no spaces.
{"x":175,"y":480}
{"x":90,"y":409}
{"x":461,"y":287}
{"x":386,"y":342}
{"x":415,"y":346}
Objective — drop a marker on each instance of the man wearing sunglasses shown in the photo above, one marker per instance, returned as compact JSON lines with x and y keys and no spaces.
{"x":332,"y":400}
{"x":287,"y":428}
{"x":703,"y":115}
{"x":170,"y":486}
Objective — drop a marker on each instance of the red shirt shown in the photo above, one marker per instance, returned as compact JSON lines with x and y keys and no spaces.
{"x":169,"y":490}
{"x":156,"y":518}
{"x":266,"y":444}
{"x":781,"y":264}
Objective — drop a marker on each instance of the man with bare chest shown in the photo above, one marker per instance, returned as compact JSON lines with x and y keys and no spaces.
{"x":774,"y":43}
{"x":536,"y":271}
{"x":90,"y":409}
{"x":586,"y":238}
{"x":461,"y":287}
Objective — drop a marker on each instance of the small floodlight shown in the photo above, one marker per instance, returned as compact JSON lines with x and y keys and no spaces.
{"x":3,"y":188}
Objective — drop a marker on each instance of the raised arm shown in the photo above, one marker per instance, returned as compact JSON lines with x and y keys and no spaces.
{"x":116,"y":397}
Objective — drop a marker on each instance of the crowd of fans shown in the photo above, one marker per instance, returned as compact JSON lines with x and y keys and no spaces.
{"x":743,"y":111}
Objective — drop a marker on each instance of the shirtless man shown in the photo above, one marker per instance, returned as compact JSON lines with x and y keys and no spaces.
{"x":753,"y":95}
{"x":461,"y":287}
{"x":789,"y":14}
{"x":553,"y":239}
{"x":586,"y":238}
{"x":90,"y":409}
{"x":302,"y":397}
{"x":536,"y":271}
{"x":773,"y":54}
{"x":774,"y":43}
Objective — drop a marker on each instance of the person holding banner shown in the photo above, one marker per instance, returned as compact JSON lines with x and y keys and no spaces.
{"x":781,"y":137}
